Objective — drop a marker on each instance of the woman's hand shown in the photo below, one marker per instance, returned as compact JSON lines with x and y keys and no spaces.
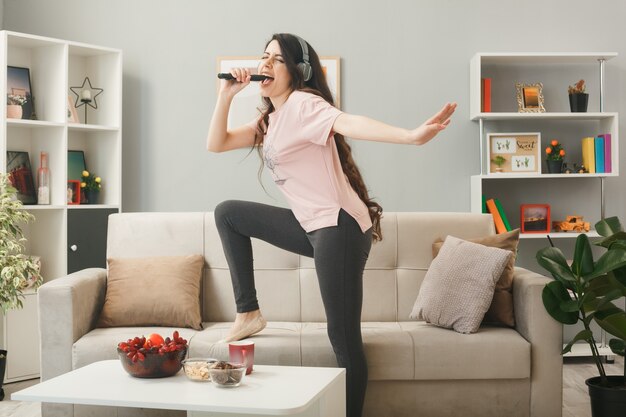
{"x":432,"y":126}
{"x":241,"y":81}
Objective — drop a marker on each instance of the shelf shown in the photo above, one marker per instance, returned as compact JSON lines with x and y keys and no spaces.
{"x":542,"y":176}
{"x":583,"y":349}
{"x":23,"y":123}
{"x":92,"y":128}
{"x":43,"y":207}
{"x":557,"y":235}
{"x":93,"y":206}
{"x":534,"y":58}
{"x":544,"y":116}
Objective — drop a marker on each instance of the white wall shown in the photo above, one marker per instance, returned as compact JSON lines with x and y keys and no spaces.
{"x":401,"y":61}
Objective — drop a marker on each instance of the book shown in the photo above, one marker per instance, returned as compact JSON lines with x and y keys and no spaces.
{"x":599,"y":154}
{"x":485,"y":205}
{"x":493,"y":209}
{"x":589,"y":155}
{"x":608,"y":168}
{"x":485,"y":95}
{"x":505,"y":220}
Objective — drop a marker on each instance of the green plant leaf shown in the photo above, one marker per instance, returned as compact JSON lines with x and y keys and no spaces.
{"x":615,"y":240}
{"x":553,"y":261}
{"x":553,"y":295}
{"x":613,"y":320}
{"x":582,"y":335}
{"x":618,"y":346}
{"x":583,"y":257}
{"x":609,"y":261}
{"x":608,"y":226}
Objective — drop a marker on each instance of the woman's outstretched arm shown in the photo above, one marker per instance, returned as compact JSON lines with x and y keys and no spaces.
{"x":364,"y":128}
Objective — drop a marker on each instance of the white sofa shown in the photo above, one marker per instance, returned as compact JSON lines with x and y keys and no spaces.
{"x":414,"y":368}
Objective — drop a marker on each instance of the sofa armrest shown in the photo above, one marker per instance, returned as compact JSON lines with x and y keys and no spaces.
{"x":68,"y":309}
{"x":546,"y":338}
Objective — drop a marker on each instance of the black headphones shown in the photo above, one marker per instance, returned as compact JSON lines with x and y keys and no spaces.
{"x":305,"y":66}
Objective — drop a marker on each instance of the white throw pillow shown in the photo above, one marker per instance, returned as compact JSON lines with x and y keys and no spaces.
{"x":459,"y":285}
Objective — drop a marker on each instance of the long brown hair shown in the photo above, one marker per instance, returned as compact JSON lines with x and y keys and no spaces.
{"x":292,"y":54}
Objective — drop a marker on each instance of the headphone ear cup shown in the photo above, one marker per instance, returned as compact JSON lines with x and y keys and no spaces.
{"x":306,"y":69}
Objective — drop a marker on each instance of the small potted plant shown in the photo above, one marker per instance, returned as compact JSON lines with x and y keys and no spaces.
{"x":587,"y":291}
{"x":499,"y":161}
{"x":17,"y":271}
{"x":577,"y":97}
{"x":14,"y":106}
{"x":90,"y":187}
{"x":554,"y":157}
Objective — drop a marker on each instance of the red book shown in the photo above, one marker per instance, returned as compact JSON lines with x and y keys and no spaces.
{"x":486,"y":95}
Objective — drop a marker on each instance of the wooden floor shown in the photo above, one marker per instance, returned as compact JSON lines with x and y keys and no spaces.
{"x":575,"y":395}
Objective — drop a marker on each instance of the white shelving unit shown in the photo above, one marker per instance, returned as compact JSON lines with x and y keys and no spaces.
{"x":506,"y":69}
{"x":561,"y":70}
{"x":56,"y":65}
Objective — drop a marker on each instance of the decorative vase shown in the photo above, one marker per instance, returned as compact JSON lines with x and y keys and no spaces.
{"x":578,"y":102}
{"x":607,"y":401}
{"x":555,"y":167}
{"x":92,"y":196}
{"x":14,"y":111}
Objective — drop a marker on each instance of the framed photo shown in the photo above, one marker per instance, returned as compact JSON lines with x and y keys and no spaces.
{"x":535,"y":218}
{"x":72,"y":114}
{"x":73,"y":192}
{"x":530,"y":98}
{"x":514,"y":153}
{"x":19,"y":91}
{"x":244,"y":107}
{"x":21,"y":176}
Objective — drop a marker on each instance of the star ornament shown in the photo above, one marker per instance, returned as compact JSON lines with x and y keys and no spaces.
{"x":86,"y":95}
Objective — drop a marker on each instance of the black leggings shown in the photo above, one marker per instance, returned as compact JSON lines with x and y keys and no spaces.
{"x":340,"y":253}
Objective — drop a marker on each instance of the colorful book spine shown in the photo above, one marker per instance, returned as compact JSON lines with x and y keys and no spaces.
{"x":608,"y":166}
{"x":599,"y":153}
{"x":505,"y":220}
{"x":588,"y":155}
{"x":485,"y":205}
{"x":493,"y":209}
{"x":486,"y":95}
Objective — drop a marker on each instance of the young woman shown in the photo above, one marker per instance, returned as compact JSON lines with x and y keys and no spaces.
{"x":300,"y":137}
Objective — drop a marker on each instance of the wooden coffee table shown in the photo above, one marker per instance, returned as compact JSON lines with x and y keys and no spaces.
{"x":269,"y":390}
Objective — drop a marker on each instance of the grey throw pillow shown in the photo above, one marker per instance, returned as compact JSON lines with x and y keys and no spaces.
{"x":459,"y":285}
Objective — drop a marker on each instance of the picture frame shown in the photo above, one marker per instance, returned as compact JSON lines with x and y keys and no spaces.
{"x":530,"y":98}
{"x":245,"y":105}
{"x":514,"y":153}
{"x":21,"y":176}
{"x":19,"y":90}
{"x":76,"y":164}
{"x":72,"y":113}
{"x":73,"y":192}
{"x":535,"y":218}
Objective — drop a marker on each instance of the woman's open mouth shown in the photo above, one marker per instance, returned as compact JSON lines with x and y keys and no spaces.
{"x":267,"y":81}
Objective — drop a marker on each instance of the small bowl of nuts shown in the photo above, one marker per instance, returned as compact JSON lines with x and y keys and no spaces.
{"x":227,"y":374}
{"x":197,"y":369}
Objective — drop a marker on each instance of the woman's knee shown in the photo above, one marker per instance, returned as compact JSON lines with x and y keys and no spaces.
{"x":223,"y":209}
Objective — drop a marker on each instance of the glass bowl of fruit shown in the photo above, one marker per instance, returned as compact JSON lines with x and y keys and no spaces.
{"x":153,"y":357}
{"x":197,"y":369}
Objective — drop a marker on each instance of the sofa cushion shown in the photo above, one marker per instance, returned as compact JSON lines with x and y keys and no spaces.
{"x":501,"y":308}
{"x":459,"y":285}
{"x":101,"y":344}
{"x":491,"y":353}
{"x":153,"y":291}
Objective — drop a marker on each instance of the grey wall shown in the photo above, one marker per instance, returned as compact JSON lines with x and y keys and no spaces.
{"x":401,"y":61}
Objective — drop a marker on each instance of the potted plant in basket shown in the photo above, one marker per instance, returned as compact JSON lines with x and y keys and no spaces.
{"x":14,"y":106}
{"x":585,"y":291}
{"x":90,"y":186}
{"x":554,"y":157}
{"x":17,"y":271}
{"x":577,"y":97}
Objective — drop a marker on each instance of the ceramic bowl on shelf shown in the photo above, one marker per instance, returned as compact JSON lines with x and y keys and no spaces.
{"x":227,"y":374}
{"x":153,"y":365}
